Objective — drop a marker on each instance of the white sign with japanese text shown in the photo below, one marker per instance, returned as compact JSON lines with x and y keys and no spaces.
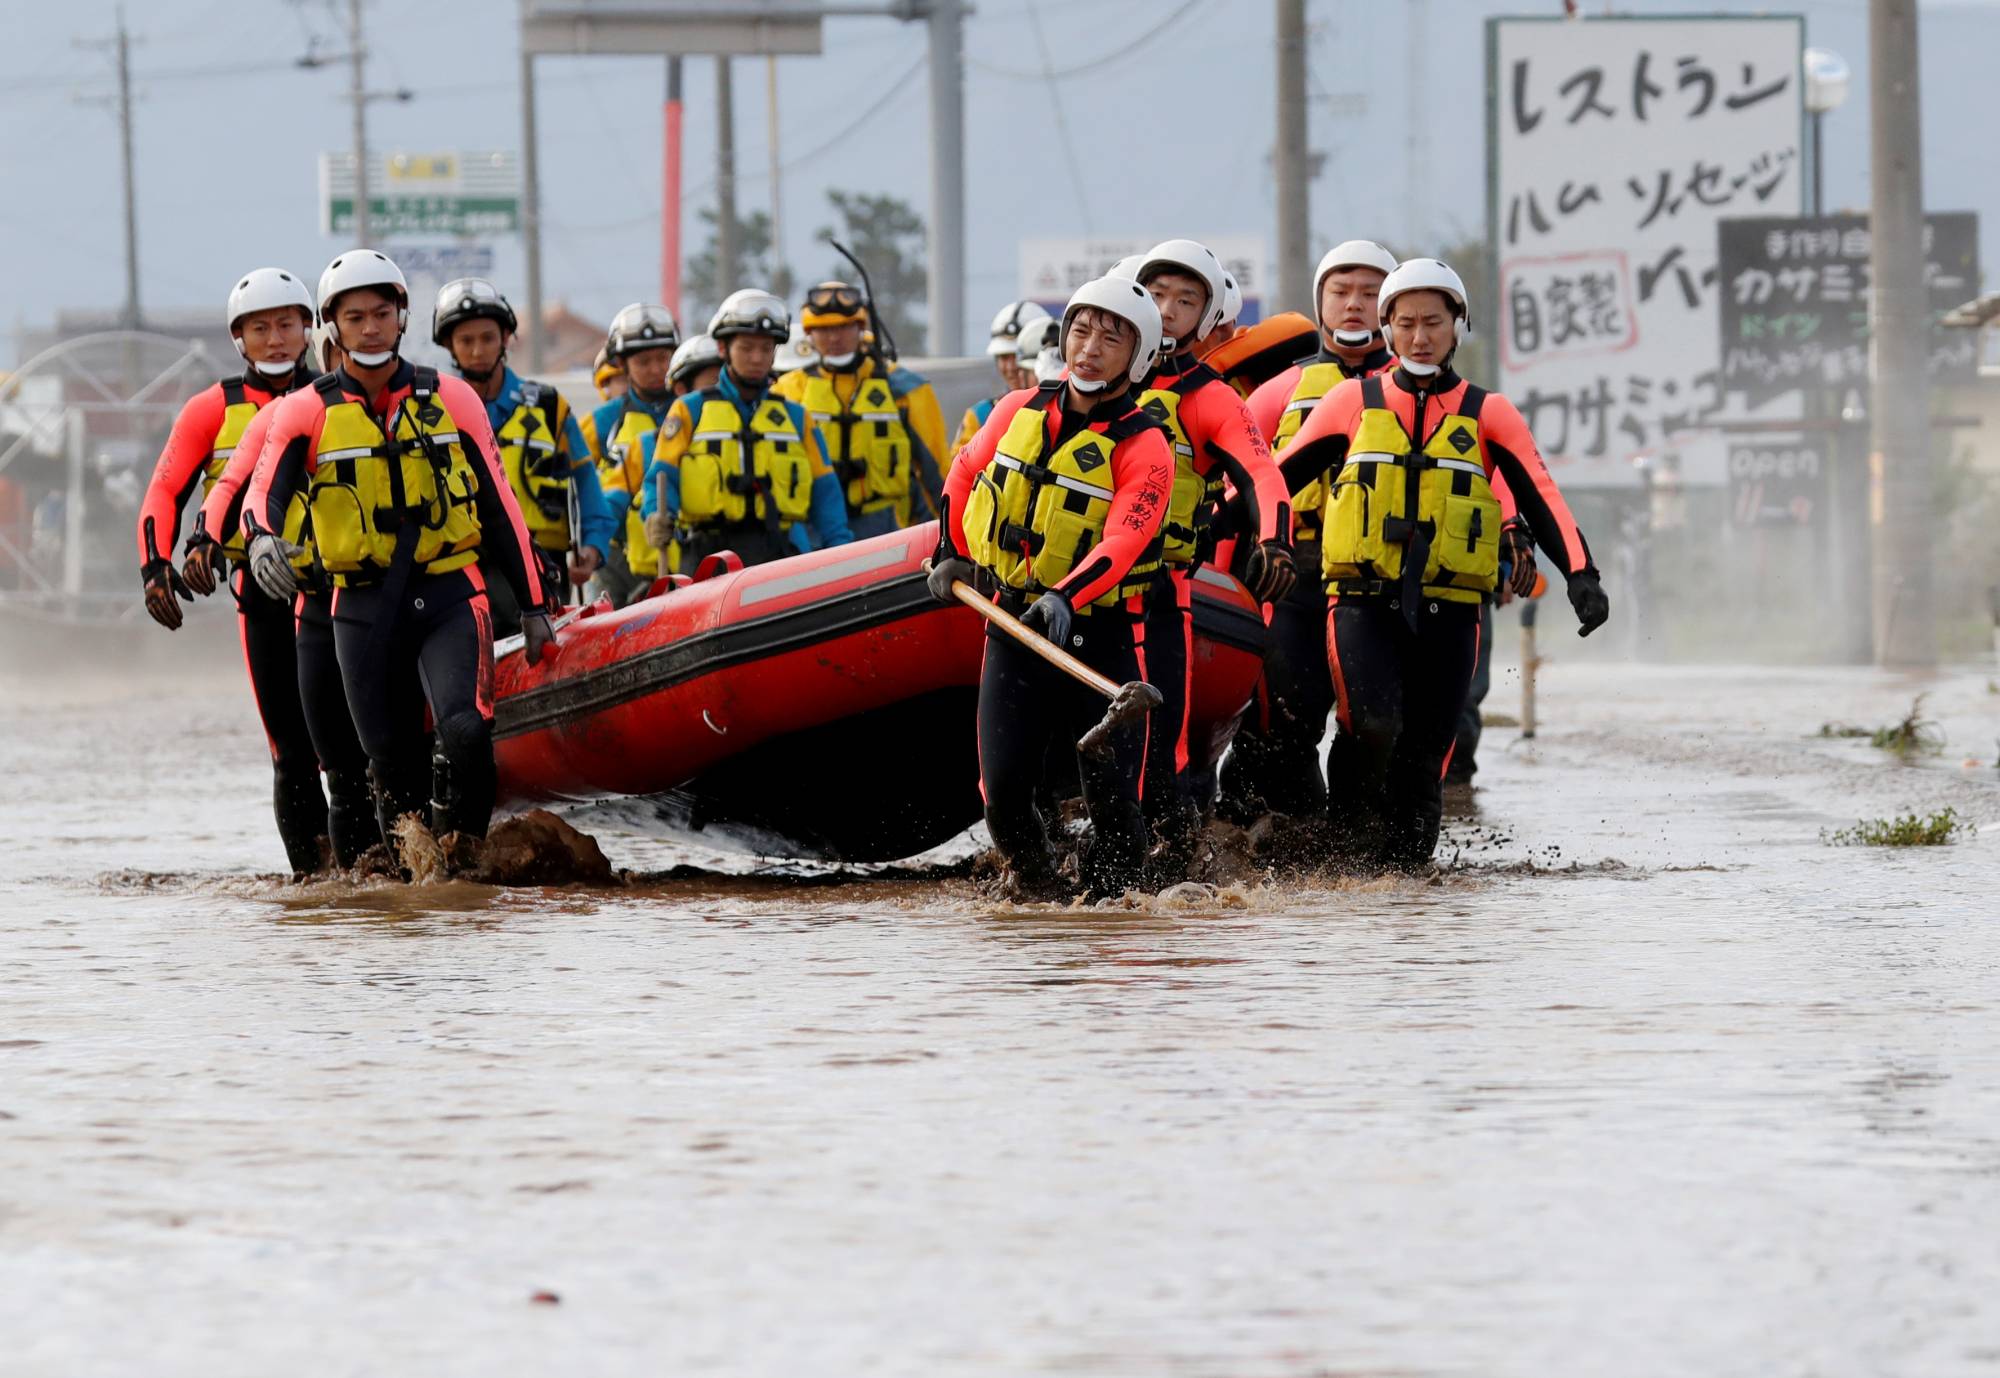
{"x":1051,"y":269}
{"x":1616,"y":145}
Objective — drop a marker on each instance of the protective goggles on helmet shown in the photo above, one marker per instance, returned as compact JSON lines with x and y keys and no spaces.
{"x":832,"y":303}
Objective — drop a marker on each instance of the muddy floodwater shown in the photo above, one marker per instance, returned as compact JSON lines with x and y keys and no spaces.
{"x":1651,"y":1081}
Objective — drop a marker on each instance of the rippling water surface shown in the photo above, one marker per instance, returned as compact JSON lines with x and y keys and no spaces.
{"x":1654,"y":1082}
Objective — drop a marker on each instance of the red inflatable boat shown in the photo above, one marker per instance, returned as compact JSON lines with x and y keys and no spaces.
{"x":821,"y":706}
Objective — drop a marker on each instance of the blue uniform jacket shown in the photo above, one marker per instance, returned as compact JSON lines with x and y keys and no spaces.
{"x":596,"y":514}
{"x":828,"y":517}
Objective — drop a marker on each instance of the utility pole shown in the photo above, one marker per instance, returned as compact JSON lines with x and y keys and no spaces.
{"x":531,"y":209}
{"x":777,"y":168}
{"x":1294,"y":178}
{"x":946,"y":285}
{"x":1905,"y":522}
{"x":121,"y":45}
{"x":728,"y":252}
{"x":1416,"y":158}
{"x":357,"y":94}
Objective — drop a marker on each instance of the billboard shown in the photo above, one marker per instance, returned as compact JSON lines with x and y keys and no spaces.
{"x":471,"y":193}
{"x":1795,"y":301}
{"x":1051,"y":269}
{"x":1614,"y":147}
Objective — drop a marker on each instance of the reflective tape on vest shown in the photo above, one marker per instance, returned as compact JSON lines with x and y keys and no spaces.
{"x":1075,"y":485}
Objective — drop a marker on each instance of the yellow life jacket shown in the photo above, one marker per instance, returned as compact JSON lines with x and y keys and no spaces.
{"x":867,"y":444}
{"x":1315,"y":382}
{"x":624,"y":452}
{"x":739,"y":468}
{"x":532,"y":453}
{"x":1031,"y":519}
{"x":237,"y":412}
{"x":1194,"y":494}
{"x":366,"y":487}
{"x":1383,"y":506}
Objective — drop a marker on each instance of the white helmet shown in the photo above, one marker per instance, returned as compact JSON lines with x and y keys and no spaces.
{"x":795,"y":353}
{"x":365,"y":268}
{"x":696,"y":353}
{"x":640,"y":326}
{"x":1040,"y":348}
{"x":1426,"y":275}
{"x":1232,"y":299}
{"x":1014,"y":317}
{"x":1126,"y":267}
{"x":751,"y":311}
{"x":361,"y":268}
{"x":1128,"y":301}
{"x":1191,"y":258}
{"x":266,"y":289}
{"x":1354,"y":253}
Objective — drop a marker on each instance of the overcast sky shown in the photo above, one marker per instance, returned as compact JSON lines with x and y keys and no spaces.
{"x":1170,"y":138}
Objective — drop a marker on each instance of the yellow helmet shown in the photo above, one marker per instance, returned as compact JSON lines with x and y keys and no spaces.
{"x":833,"y":303}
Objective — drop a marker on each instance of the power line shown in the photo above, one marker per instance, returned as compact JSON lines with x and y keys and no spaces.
{"x":1080,"y":68}
{"x":1062,"y":119}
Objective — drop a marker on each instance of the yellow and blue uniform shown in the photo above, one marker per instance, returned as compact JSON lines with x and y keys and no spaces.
{"x":781,"y":425}
{"x":622,"y":426}
{"x":581,"y":473}
{"x":847,"y":403}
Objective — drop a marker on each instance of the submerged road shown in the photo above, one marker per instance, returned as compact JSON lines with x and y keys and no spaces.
{"x":1653,"y":1080}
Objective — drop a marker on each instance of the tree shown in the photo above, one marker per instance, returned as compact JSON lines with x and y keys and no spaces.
{"x":706,"y":282}
{"x":888,"y":236}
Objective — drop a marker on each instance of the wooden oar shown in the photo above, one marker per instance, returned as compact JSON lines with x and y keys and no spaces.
{"x":1129,"y":702}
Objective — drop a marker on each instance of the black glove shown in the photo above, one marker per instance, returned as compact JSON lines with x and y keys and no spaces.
{"x":1586,"y":595}
{"x":164,"y":590}
{"x":946,"y":572}
{"x":1270,"y":571}
{"x":204,"y":554}
{"x":1517,"y":548}
{"x":1051,"y":616}
{"x":537,"y":636}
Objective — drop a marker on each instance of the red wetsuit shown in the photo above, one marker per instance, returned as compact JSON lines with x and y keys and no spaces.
{"x":1026,"y":707}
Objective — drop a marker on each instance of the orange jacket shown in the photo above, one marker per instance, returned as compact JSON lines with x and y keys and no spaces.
{"x":290,"y":455}
{"x":1142,"y":476}
{"x":1506,"y":446}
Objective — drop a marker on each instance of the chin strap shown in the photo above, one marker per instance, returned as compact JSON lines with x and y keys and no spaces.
{"x":375,"y":360}
{"x":841,"y":363}
{"x":1356,"y":339}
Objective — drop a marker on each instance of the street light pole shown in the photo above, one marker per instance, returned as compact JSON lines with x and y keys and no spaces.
{"x":1904,"y":496}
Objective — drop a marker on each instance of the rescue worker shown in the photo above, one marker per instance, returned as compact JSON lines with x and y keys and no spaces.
{"x":270,"y":314}
{"x":738,"y":466}
{"x":609,"y":381}
{"x":351,"y":825}
{"x":548,"y":465}
{"x":1057,"y":499}
{"x":881,"y":425}
{"x":410,"y":510}
{"x":1214,"y":442}
{"x":1273,"y":764}
{"x":642,"y":343}
{"x":697,"y":364}
{"x":794,"y":354}
{"x":1248,"y":356}
{"x":1004,"y":349}
{"x":1040,"y":354}
{"x":1413,"y":536}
